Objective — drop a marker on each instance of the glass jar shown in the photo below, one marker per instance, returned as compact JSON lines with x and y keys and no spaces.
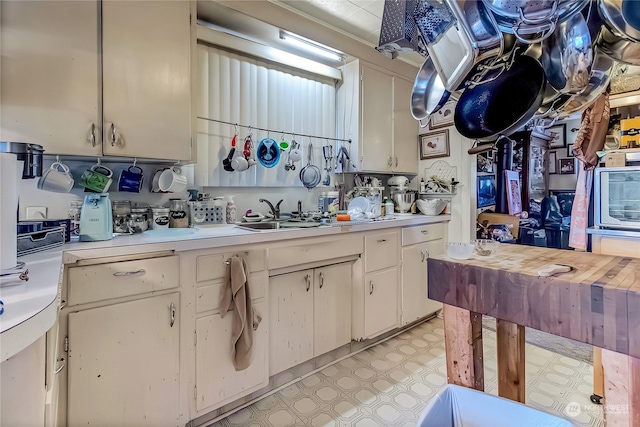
{"x":178,"y":217}
{"x":121,"y":224}
{"x":160,"y":218}
{"x":139,"y":220}
{"x":121,"y":207}
{"x":74,"y":215}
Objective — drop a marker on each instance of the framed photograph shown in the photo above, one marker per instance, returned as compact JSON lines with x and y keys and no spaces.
{"x":559,"y":135}
{"x":484,"y":163}
{"x":486,"y":191}
{"x":434,"y":144}
{"x":553,"y":161}
{"x":570,"y":150}
{"x":568,"y":166}
{"x":513,"y":192}
{"x":444,"y":117}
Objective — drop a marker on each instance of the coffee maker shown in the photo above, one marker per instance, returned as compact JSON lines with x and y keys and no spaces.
{"x":18,"y":161}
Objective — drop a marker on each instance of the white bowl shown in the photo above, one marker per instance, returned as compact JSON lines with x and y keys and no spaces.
{"x":431,"y":206}
{"x":458,"y":250}
{"x":253,"y":218}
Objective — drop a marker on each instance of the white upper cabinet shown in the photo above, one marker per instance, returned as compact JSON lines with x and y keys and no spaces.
{"x":133,"y":99}
{"x":147,"y":79}
{"x":373,"y":111}
{"x":50,"y":77}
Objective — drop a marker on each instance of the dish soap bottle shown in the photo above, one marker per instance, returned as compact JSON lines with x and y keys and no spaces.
{"x":231,"y":214}
{"x":388,"y":208}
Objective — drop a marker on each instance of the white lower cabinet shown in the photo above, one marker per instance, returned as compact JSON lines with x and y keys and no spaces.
{"x":124,"y":363}
{"x":415,"y":304}
{"x":217,"y":381}
{"x":380,"y":302}
{"x":310,"y":313}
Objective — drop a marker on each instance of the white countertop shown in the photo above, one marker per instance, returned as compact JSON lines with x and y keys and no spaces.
{"x":31,"y":308}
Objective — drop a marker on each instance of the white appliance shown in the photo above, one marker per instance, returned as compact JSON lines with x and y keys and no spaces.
{"x":17,"y":161}
{"x":617,"y":197}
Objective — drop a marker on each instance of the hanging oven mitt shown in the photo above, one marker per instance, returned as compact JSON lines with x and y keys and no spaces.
{"x":593,"y":131}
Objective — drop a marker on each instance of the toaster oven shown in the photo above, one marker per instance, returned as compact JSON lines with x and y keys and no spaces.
{"x":617,"y":197}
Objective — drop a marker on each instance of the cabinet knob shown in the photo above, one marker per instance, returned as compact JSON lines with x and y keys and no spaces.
{"x":371,"y":287}
{"x":307,"y":279}
{"x":424,"y":231}
{"x":172,"y":314}
{"x":396,"y":162}
{"x":382,"y":240}
{"x":321,"y":280}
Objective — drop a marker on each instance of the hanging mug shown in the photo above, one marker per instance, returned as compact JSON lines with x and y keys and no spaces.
{"x":97,"y":178}
{"x":131,"y":179}
{"x":57,"y":179}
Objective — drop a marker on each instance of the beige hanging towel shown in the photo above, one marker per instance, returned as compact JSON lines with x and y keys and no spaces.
{"x":235,"y":294}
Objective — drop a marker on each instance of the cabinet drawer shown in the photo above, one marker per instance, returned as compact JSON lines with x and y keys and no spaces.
{"x":121,"y":279}
{"x":312,"y":252}
{"x":422,"y":233}
{"x":212,"y":267}
{"x":208,"y":297}
{"x":380,"y":251}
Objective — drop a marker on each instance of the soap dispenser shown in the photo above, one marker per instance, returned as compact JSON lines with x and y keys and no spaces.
{"x":231,"y":213}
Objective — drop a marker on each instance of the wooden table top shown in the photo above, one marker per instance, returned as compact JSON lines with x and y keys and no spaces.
{"x":596,"y":303}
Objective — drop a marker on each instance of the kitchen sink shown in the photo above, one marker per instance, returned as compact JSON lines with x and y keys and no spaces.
{"x":263,"y":225}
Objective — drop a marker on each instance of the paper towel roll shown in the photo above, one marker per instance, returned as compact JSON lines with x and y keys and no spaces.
{"x":9,"y":182}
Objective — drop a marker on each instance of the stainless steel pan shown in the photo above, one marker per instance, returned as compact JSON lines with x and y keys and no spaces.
{"x":428,"y":94}
{"x":310,"y":175}
{"x":567,"y":56}
{"x":622,"y":17}
{"x":617,"y":47}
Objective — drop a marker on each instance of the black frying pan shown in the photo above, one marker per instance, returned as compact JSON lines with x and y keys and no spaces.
{"x":503,"y":105}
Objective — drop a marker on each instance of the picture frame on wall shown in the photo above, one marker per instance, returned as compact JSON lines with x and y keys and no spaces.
{"x":434,"y":144}
{"x":559,"y":135}
{"x":567,"y":166}
{"x":570,"y":150}
{"x":486,"y":188}
{"x":552,"y":162}
{"x":514,"y":198}
{"x":444,"y":117}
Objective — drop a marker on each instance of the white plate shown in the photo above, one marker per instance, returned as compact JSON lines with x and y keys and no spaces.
{"x":169,"y":232}
{"x":257,"y":218}
{"x":360,"y":202}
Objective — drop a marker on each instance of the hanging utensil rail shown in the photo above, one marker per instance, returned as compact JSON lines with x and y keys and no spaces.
{"x":274,"y":131}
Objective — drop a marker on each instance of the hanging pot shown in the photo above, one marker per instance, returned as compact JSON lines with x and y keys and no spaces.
{"x":428,"y":94}
{"x":622,"y":17}
{"x":617,"y":47}
{"x":310,"y":174}
{"x":567,"y":56}
{"x":503,"y":105}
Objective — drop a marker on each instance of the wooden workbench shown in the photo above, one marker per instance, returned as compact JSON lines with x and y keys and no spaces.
{"x":597,"y":303}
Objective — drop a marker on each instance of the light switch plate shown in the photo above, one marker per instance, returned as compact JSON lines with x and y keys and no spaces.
{"x":36,"y":212}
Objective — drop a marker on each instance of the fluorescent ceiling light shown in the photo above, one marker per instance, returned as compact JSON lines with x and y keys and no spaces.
{"x":311,"y":46}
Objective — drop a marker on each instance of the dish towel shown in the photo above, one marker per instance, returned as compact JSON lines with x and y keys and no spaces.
{"x":580,"y":210}
{"x":235,"y":294}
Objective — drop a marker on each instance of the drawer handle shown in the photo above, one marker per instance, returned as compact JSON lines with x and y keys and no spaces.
{"x":382,"y":240}
{"x":60,"y":359}
{"x":307,"y":278}
{"x":321,"y":280}
{"x":172,"y":313}
{"x":371,"y":287}
{"x":129,"y":273}
{"x":92,"y":138}
{"x":112,"y":134}
{"x":422,"y":255}
{"x":424,"y":231}
{"x":425,"y":254}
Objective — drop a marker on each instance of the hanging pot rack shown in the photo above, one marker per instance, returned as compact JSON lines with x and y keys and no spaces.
{"x":294,"y":134}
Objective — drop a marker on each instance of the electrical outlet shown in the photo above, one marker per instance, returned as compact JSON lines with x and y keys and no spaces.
{"x":36,"y":212}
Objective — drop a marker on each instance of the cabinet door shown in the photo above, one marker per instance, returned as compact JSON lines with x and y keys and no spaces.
{"x":124,"y":363}
{"x":415,"y":304}
{"x":380,"y":302}
{"x":331,"y":308}
{"x":405,"y":129}
{"x":49,"y":74}
{"x":376,"y":142}
{"x":146,"y":79}
{"x":217,"y":381}
{"x":290,"y":320}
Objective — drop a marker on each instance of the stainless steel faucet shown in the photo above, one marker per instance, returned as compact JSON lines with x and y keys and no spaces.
{"x":275,"y":211}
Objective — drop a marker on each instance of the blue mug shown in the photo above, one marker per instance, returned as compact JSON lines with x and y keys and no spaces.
{"x":130,"y":179}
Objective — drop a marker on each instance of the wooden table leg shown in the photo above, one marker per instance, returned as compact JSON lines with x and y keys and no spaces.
{"x":463,"y":346}
{"x":510,"y":346}
{"x":621,"y":389}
